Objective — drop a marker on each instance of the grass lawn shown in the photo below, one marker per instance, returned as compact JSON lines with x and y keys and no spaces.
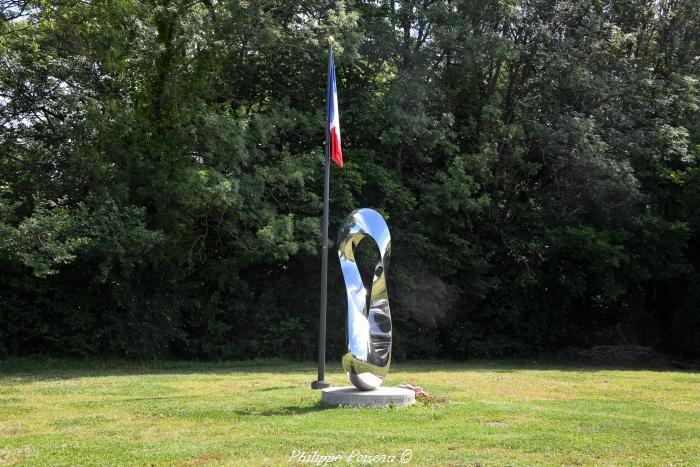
{"x":58,"y":412}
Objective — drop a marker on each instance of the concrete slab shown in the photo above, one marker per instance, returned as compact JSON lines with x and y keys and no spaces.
{"x":380,"y":397}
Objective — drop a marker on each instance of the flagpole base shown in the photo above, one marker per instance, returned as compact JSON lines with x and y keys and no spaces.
{"x":320,"y":384}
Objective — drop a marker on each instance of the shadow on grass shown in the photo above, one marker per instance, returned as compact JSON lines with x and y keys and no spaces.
{"x":23,"y":370}
{"x":277,"y":388}
{"x":283,"y":411}
{"x":26,"y":370}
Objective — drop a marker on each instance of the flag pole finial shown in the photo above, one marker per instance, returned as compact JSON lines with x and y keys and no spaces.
{"x":331,"y":40}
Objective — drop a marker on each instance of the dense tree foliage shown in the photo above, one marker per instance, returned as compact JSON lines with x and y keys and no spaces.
{"x":538,"y":162}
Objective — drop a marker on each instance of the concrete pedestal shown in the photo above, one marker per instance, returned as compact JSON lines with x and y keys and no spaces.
{"x":380,"y":397}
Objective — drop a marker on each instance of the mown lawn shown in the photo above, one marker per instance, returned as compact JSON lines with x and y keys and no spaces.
{"x":172,"y":413}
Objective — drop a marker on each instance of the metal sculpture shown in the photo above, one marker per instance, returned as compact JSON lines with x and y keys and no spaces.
{"x":369,"y":324}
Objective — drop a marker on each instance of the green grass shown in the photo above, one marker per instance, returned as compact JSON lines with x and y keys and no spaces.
{"x":57,"y":412}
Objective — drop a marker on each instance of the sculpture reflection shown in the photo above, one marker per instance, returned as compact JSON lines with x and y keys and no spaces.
{"x":369,"y":331}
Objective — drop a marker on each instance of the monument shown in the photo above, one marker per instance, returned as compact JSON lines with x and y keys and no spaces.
{"x":368,"y":353}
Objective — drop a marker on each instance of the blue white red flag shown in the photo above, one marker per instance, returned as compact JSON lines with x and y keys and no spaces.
{"x":333,"y":117}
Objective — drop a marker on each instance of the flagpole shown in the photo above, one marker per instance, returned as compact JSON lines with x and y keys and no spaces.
{"x":321,"y":382}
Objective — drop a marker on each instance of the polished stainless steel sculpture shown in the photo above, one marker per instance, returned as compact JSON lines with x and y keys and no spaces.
{"x":369,"y":325}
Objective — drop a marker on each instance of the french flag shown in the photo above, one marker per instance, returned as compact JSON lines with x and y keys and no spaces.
{"x":333,"y":118}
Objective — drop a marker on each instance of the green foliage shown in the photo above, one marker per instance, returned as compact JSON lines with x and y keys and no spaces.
{"x":161,"y":171}
{"x":43,"y":241}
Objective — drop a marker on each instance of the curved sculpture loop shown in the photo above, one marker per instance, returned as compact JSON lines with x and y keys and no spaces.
{"x":369,"y":330}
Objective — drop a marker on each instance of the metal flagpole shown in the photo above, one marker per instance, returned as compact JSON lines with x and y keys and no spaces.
{"x":321,"y":382}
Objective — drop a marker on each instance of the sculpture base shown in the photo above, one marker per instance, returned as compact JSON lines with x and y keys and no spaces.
{"x":320,"y":384}
{"x":380,"y":397}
